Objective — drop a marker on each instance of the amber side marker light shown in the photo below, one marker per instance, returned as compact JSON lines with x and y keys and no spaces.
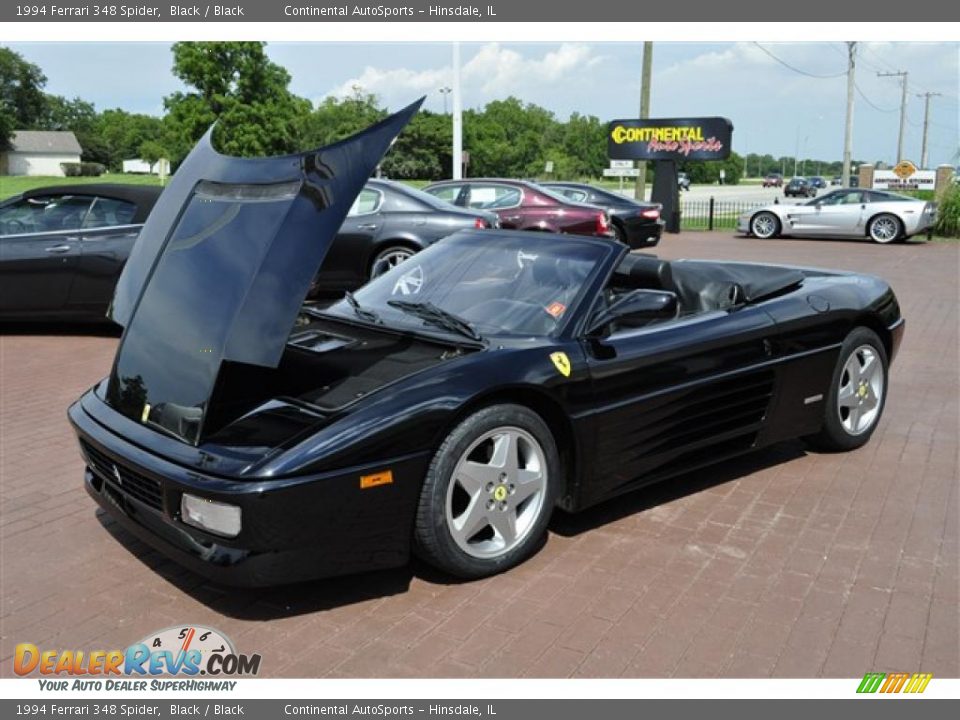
{"x":376,"y":479}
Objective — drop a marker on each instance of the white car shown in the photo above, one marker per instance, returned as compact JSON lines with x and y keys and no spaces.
{"x":852,"y":212}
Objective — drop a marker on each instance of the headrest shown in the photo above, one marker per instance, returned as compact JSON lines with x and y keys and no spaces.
{"x":643,"y":271}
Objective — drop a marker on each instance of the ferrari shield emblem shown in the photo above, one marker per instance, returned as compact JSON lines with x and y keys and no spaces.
{"x":561,"y":362}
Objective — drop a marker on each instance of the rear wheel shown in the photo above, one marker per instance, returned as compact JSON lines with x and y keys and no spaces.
{"x":389,"y":258}
{"x":885,"y":228}
{"x":765,"y":225}
{"x":858,"y":391}
{"x":488,"y":493}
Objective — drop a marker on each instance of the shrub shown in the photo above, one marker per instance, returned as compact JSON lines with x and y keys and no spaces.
{"x":948,"y":212}
{"x":82,"y":169}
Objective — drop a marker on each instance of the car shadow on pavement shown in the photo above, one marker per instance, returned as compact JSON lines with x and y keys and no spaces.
{"x":319,"y":595}
{"x":568,"y":525}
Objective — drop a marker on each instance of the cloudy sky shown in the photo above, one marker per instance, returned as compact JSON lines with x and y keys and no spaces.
{"x":774,"y":108}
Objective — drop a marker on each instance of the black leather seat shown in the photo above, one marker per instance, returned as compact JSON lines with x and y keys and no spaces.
{"x":643,"y":272}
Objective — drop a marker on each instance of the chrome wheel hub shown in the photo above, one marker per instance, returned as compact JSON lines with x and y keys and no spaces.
{"x":884,"y":229}
{"x":496,"y":493}
{"x":763,"y":226}
{"x":861,"y":390}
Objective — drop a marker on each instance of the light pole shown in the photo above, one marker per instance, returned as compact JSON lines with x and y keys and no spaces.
{"x":445,"y":91}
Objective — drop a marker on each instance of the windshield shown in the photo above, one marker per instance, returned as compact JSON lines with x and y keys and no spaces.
{"x":508,"y":286}
{"x":553,"y":194}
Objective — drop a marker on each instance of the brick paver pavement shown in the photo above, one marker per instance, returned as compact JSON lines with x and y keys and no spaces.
{"x":783,"y":564}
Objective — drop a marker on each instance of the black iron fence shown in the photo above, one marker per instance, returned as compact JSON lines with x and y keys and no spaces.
{"x":713,"y":214}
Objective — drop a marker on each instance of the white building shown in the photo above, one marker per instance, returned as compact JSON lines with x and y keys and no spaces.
{"x":137,"y":165}
{"x":39,"y":152}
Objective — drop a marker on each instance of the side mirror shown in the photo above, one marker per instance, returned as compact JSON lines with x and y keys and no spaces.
{"x":637,"y":306}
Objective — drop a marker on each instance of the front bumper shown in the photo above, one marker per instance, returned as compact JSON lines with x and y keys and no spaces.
{"x":294,"y":529}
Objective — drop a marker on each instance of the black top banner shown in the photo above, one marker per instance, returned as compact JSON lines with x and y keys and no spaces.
{"x":706,"y":138}
{"x":490,"y":11}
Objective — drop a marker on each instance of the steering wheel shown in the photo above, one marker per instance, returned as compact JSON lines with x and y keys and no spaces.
{"x":15,"y":226}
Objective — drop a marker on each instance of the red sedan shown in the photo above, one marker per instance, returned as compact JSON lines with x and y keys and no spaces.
{"x":524,"y":205}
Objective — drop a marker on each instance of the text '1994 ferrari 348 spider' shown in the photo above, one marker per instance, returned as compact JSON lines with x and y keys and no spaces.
{"x":448,"y":406}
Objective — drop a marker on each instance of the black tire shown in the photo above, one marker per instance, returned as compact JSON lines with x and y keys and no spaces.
{"x":765,"y":225}
{"x":834,"y":436}
{"x":433,"y":539}
{"x":877,"y":228}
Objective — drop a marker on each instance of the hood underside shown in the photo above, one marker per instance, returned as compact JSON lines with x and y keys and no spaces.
{"x":221,"y":268}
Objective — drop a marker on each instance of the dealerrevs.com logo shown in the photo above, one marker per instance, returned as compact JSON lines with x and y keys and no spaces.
{"x":179,"y":651}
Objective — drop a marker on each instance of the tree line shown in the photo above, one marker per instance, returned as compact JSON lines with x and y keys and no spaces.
{"x":248,"y":95}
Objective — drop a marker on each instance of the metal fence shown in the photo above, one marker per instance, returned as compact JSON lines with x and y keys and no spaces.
{"x":713,"y":214}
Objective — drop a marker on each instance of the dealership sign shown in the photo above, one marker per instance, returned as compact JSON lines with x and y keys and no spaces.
{"x":904,"y":176}
{"x":705,"y":138}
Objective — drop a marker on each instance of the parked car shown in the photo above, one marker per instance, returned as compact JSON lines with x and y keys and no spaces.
{"x":387,"y":224}
{"x":799,"y":187}
{"x":773,"y":180}
{"x":818,"y":182}
{"x":455,"y":400}
{"x":683,"y":181}
{"x":875,"y":214}
{"x":62,"y":248}
{"x":523,"y":205}
{"x":836,"y":180}
{"x":636,"y":224}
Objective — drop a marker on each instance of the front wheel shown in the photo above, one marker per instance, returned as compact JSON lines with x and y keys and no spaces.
{"x":765,"y":225}
{"x":488,"y":493}
{"x":885,"y":228}
{"x":857,"y":394}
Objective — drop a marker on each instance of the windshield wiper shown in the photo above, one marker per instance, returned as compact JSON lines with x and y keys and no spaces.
{"x":428,"y":312}
{"x":361,"y":312}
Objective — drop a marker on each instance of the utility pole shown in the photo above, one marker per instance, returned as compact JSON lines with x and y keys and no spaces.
{"x":848,"y":127}
{"x":457,"y":116}
{"x":646,"y":72}
{"x":926,"y":123}
{"x":902,"y":74}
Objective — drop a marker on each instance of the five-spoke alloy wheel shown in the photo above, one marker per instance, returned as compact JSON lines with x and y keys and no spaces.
{"x":857,"y":393}
{"x":489,"y":492}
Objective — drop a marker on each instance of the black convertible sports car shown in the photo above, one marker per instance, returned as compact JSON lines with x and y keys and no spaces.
{"x":62,"y":248}
{"x":454,"y":401}
{"x":637,"y":224}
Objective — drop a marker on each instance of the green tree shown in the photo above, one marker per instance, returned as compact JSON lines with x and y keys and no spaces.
{"x":423,"y":151}
{"x":23,"y":104}
{"x":337,"y":118}
{"x":236,"y":84}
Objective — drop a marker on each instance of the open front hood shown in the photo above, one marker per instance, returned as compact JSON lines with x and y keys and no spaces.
{"x":221,"y":268}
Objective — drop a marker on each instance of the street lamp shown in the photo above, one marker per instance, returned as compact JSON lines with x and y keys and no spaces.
{"x":445,"y":91}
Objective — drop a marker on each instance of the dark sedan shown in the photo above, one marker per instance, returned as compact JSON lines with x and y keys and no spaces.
{"x":799,"y":187}
{"x":637,"y":224}
{"x":524,"y":205}
{"x":388,"y":223}
{"x":62,"y":248}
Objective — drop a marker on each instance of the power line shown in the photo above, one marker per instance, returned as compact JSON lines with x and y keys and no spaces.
{"x":869,"y":102}
{"x":798,"y":70}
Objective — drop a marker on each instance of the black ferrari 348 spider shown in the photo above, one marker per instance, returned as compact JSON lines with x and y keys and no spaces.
{"x":449,"y":405}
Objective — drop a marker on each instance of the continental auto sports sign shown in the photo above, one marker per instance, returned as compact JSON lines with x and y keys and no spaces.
{"x":705,"y":138}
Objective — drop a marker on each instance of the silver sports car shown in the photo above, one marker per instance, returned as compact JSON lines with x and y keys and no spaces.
{"x":875,"y":214}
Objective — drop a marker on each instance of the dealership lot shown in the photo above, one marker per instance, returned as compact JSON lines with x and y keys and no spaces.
{"x":783,"y":564}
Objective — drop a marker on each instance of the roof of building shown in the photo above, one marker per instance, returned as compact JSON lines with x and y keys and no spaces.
{"x":45,"y":141}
